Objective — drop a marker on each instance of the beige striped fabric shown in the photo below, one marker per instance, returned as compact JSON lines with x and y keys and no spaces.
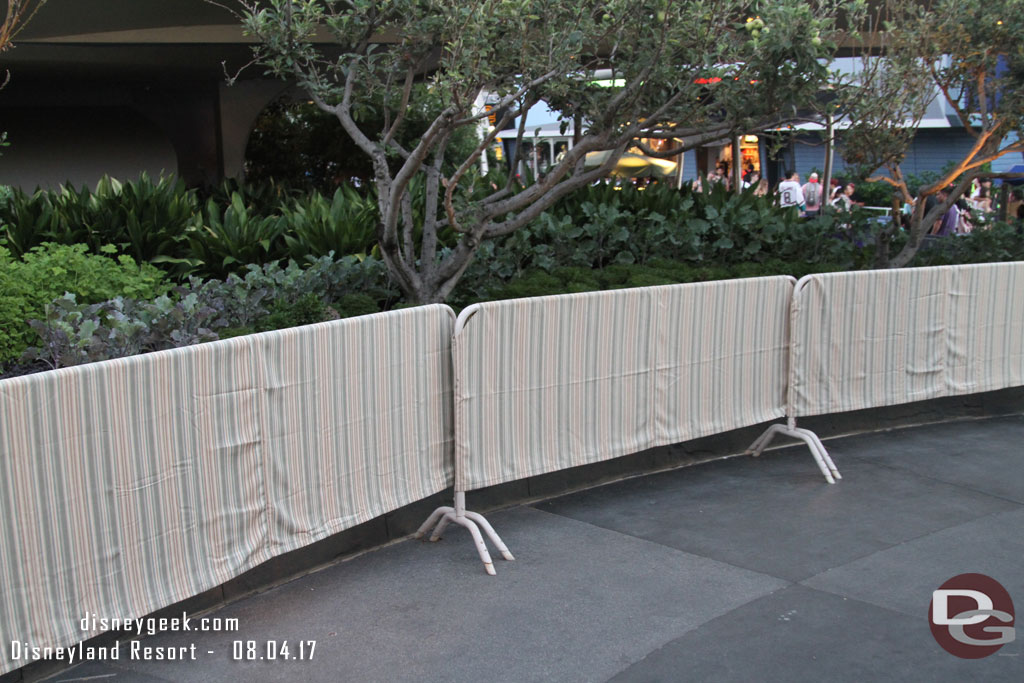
{"x":985,"y":339}
{"x":358,"y":420}
{"x":126,"y":486}
{"x":132,"y":484}
{"x":876,"y":338}
{"x":549,"y":383}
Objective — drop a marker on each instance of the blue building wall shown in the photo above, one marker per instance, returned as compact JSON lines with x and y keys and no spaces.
{"x":931,"y":150}
{"x":1005,"y":163}
{"x":689,"y":165}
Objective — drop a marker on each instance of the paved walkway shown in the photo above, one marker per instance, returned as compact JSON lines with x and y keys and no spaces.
{"x":738,"y":570}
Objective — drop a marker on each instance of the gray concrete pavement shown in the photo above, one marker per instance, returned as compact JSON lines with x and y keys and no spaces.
{"x":736,"y":570}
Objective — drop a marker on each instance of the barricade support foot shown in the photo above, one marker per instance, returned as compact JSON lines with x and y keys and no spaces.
{"x":432,"y":520}
{"x":821,"y":456}
{"x":473,"y":521}
{"x":491,"y":534}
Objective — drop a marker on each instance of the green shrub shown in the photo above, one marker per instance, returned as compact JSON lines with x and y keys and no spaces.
{"x":305,"y":310}
{"x":27,"y":220}
{"x":649,"y":279}
{"x":69,"y":330}
{"x":658,"y":272}
{"x":46,"y":272}
{"x":351,"y":305}
{"x":995,"y":242}
{"x":585,"y":278}
{"x":610,"y":228}
{"x":673,"y":270}
{"x":877,"y":193}
{"x":73,"y":333}
{"x":144,"y":219}
{"x":224,"y":241}
{"x":534,"y":283}
{"x":315,"y":227}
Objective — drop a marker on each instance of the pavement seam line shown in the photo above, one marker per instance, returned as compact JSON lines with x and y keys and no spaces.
{"x":866,"y":459}
{"x":655,"y":543}
{"x":803,"y":582}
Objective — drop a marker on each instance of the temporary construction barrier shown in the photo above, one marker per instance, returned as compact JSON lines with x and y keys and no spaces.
{"x":358,"y":420}
{"x":128,"y":485}
{"x":877,"y":338}
{"x":132,"y":484}
{"x":549,"y":383}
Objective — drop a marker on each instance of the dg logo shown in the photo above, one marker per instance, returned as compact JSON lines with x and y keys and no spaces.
{"x":971,"y":616}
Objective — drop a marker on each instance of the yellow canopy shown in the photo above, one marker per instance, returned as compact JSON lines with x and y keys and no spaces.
{"x":633,"y":165}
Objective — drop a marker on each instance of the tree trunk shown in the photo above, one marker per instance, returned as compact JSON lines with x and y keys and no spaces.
{"x":910,"y":249}
{"x":737,"y":166}
{"x":885,"y":235}
{"x":830,"y":139}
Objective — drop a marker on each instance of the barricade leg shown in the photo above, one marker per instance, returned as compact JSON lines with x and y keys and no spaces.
{"x":818,"y":451}
{"x":442,"y":525}
{"x":432,"y":520}
{"x":444,"y":515}
{"x":491,"y":534}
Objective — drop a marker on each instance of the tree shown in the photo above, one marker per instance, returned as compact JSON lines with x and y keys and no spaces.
{"x":967,"y":52}
{"x":18,"y":14}
{"x":690,"y":70}
{"x":298,"y":146}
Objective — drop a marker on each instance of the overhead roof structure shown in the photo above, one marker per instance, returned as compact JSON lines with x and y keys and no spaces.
{"x":124,"y":86}
{"x":121,"y":86}
{"x":123,"y":38}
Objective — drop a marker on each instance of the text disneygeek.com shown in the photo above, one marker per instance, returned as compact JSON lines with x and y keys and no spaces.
{"x":136,"y":650}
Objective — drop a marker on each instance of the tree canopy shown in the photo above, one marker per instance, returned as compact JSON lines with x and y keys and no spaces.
{"x":689,"y":70}
{"x":967,"y":52}
{"x":17,"y":14}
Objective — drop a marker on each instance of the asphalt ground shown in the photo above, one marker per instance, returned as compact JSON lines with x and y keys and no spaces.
{"x":741,"y":569}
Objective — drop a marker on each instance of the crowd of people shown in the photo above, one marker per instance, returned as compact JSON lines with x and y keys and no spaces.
{"x":809,"y":197}
{"x":977,"y":206}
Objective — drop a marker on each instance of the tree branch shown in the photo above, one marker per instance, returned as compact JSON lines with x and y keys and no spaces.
{"x":537,"y":198}
{"x":960,"y":114}
{"x":428,"y":249}
{"x":406,"y":94}
{"x":527,"y":102}
{"x":507,"y":100}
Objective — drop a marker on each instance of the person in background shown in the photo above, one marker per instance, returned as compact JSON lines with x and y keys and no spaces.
{"x":752,"y":179}
{"x":947,"y":225}
{"x":842,"y":198}
{"x":812,"y":195}
{"x":762,"y":188}
{"x":790,"y":192}
{"x":850,"y":190}
{"x":1015,"y":207}
{"x":982,"y":201}
{"x":724,"y":175}
{"x":985,"y":184}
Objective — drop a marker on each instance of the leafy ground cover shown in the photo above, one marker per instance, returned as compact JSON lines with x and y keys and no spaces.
{"x":254,"y":259}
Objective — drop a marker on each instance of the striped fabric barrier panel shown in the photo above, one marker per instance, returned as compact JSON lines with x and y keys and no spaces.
{"x":132,"y":484}
{"x":549,"y":383}
{"x":359,"y":420}
{"x":126,"y":486}
{"x":877,"y":338}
